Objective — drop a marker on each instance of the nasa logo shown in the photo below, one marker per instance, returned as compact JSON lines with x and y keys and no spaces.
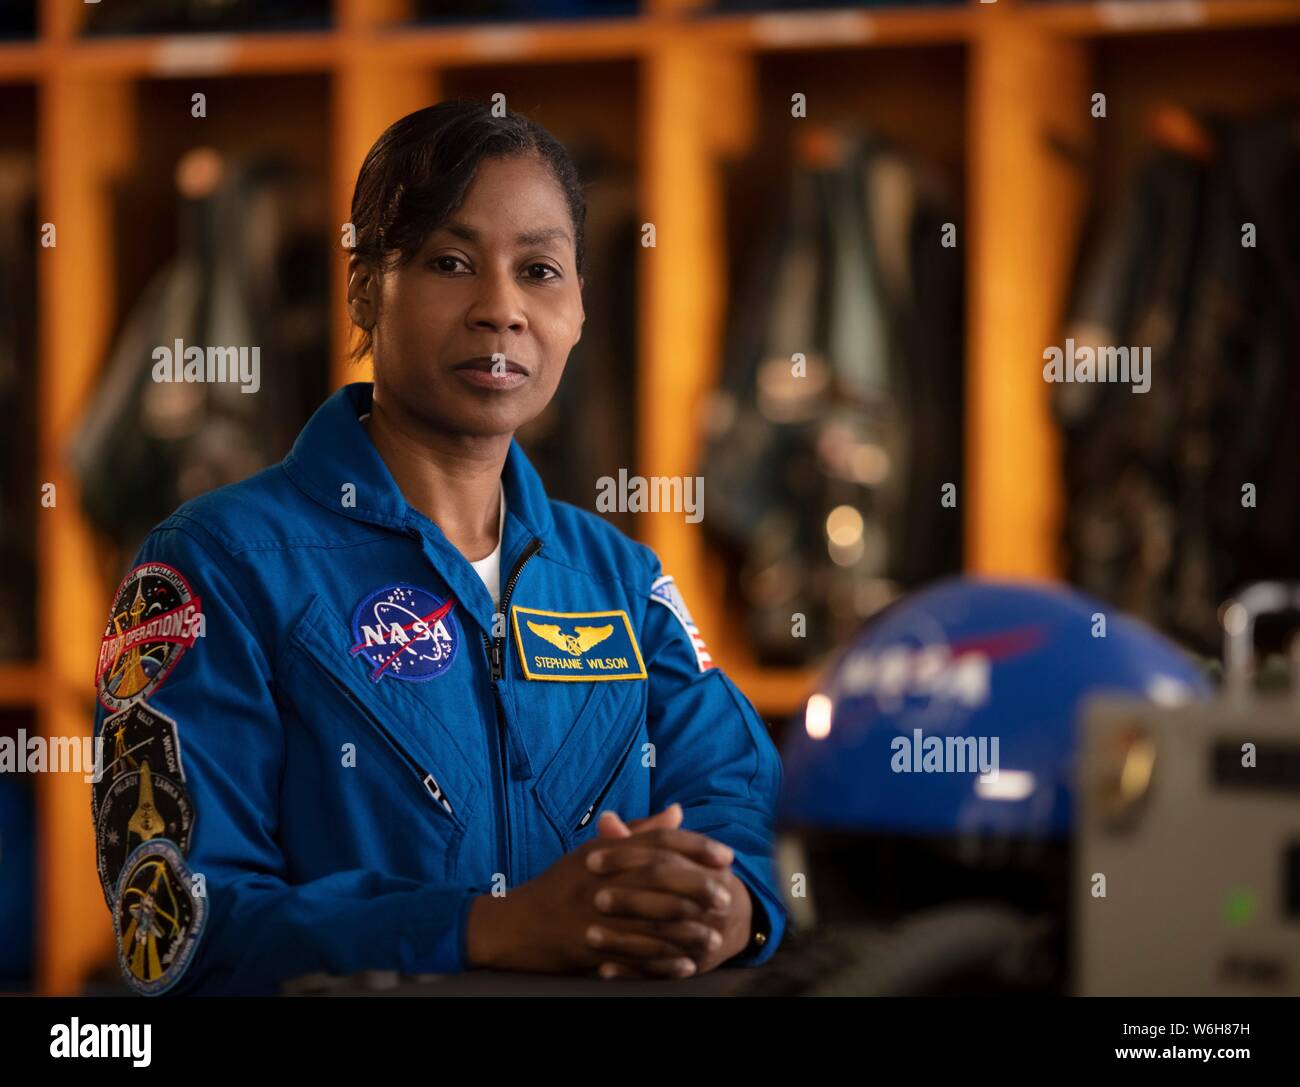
{"x":901,"y":672}
{"x":405,"y":632}
{"x":944,"y":681}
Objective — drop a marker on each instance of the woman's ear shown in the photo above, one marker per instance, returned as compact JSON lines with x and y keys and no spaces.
{"x":363,"y":293}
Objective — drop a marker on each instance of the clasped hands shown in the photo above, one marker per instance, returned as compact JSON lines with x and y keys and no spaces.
{"x":641,"y":899}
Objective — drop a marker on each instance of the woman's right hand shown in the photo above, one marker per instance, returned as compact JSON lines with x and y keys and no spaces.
{"x":544,"y":925}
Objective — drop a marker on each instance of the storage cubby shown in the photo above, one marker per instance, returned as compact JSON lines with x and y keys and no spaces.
{"x":751,"y":161}
{"x":19,"y":486}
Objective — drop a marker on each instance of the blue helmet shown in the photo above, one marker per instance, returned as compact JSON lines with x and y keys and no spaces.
{"x":929,"y":788}
{"x":956,"y":711}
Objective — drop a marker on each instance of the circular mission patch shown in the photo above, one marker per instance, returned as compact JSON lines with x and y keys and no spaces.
{"x":157,"y":917}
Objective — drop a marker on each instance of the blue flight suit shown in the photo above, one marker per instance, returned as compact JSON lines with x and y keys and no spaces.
{"x":364,"y":746}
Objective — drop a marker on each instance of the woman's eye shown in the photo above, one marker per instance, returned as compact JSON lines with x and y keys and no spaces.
{"x":545,"y":268}
{"x":446,"y":263}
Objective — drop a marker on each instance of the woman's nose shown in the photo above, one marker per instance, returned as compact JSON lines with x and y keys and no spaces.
{"x":497,"y":304}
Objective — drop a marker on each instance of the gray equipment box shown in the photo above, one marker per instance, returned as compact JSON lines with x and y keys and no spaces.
{"x":1191,"y":816}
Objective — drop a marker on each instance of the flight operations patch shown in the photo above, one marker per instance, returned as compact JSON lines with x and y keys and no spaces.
{"x":577,"y":646}
{"x":155,"y":618}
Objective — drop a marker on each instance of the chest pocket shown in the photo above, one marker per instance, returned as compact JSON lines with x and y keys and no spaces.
{"x":327,"y":675}
{"x":599,"y":760}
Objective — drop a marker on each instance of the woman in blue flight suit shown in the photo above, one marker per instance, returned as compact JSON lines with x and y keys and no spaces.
{"x":384,"y":705}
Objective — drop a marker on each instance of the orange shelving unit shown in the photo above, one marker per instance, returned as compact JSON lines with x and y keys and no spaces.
{"x":991,"y":92}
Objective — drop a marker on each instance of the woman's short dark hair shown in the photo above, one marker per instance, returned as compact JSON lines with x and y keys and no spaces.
{"x":417,"y":173}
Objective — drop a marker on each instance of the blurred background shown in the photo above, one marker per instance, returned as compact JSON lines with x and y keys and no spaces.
{"x":915,"y":198}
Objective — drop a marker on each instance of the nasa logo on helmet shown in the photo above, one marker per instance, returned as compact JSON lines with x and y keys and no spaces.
{"x":937,"y":684}
{"x":405,"y":632}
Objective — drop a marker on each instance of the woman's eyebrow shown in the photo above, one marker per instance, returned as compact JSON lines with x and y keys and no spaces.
{"x":528,"y":237}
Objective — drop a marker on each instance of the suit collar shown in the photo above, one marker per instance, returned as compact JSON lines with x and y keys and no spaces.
{"x":334,"y":450}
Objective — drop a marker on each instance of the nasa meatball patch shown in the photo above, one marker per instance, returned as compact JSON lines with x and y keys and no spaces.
{"x":155,"y":618}
{"x":404,"y":632}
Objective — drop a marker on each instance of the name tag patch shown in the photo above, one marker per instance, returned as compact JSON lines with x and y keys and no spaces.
{"x":582,"y":646}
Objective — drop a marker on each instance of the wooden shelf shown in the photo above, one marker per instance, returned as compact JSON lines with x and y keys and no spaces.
{"x":21,"y":685}
{"x":201,"y":54}
{"x":836,"y":28}
{"x":23,"y":62}
{"x":1161,"y":16}
{"x":501,"y":42}
{"x":497,"y":43}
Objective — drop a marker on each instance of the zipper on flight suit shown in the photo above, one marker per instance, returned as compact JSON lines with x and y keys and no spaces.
{"x":495,"y":650}
{"x":604,"y":792}
{"x":429,"y":782}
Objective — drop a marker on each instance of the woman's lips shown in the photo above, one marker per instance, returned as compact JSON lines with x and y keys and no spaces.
{"x":485,"y":373}
{"x":486,"y":379}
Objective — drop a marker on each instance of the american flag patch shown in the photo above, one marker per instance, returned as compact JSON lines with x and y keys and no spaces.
{"x":665,"y":591}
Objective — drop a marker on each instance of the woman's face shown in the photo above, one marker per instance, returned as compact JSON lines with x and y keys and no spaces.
{"x":499,"y":278}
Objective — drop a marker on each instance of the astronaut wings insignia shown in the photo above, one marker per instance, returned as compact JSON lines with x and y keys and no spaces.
{"x":575,"y":644}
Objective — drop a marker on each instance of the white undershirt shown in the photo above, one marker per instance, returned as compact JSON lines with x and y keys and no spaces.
{"x":489,"y":569}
